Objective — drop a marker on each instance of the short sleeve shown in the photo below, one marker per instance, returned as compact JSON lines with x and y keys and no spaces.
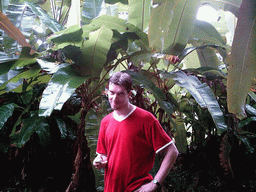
{"x":158,"y":136}
{"x":101,"y":146}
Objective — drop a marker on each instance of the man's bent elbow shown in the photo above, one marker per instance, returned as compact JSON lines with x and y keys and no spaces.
{"x":175,"y":152}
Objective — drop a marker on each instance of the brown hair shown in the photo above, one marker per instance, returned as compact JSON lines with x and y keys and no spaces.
{"x":121,"y":78}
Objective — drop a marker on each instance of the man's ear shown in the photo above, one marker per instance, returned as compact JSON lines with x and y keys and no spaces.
{"x":130,"y":93}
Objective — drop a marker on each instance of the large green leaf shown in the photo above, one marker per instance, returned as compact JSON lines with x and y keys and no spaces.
{"x":53,"y":25}
{"x":14,"y":78}
{"x":6,"y":111}
{"x":171,"y":25}
{"x":180,"y":135}
{"x":32,"y":125}
{"x":161,"y":18}
{"x":187,"y":51}
{"x":95,"y":51}
{"x":62,"y":85}
{"x":69,"y":36}
{"x":189,"y":82}
{"x":205,"y":33}
{"x":92,"y":9}
{"x":157,"y":92}
{"x":226,"y":5}
{"x":24,"y":60}
{"x":242,"y":67}
{"x":139,"y":13}
{"x":121,"y":26}
{"x":201,"y":93}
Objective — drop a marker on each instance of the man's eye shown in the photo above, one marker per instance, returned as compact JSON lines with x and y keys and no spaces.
{"x":121,"y":94}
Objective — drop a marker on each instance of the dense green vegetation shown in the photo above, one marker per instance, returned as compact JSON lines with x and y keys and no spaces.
{"x":56,"y":57}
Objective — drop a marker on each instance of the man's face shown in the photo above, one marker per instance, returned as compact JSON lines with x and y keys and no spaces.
{"x":118,"y":96}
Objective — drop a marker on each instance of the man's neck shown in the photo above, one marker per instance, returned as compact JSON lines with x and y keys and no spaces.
{"x":124,"y":112}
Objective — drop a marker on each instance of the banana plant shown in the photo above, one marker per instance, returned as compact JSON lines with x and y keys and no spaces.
{"x":242,"y":67}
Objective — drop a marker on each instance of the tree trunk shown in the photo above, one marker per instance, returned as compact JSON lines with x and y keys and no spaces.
{"x":83,"y":178}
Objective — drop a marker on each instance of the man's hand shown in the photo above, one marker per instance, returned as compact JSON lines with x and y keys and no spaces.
{"x":149,"y":187}
{"x":100,"y":161}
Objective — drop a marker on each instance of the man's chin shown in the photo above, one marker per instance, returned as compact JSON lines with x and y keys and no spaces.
{"x":114,"y":107}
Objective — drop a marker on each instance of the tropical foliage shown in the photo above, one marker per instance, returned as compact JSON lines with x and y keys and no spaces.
{"x":56,"y":57}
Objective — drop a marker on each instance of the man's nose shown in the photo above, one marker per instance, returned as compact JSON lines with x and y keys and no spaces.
{"x":115,"y":98}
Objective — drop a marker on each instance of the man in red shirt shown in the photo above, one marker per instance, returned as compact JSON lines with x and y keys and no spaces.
{"x":128,"y":140}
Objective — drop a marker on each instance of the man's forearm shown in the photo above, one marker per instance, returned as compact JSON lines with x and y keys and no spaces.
{"x":167,"y":163}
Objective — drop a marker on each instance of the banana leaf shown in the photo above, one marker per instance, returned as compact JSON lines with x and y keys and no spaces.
{"x":201,"y":93}
{"x":139,"y":13}
{"x":226,"y":5}
{"x":53,"y":25}
{"x":14,"y":78}
{"x":69,"y":36}
{"x":6,"y":111}
{"x":32,"y":125}
{"x":250,"y":110}
{"x":171,"y":25}
{"x":95,"y":52}
{"x":187,"y":51}
{"x":157,"y":92}
{"x":92,"y":9}
{"x":205,"y":33}
{"x":180,"y":135}
{"x":62,"y":85}
{"x":242,"y":67}
{"x":122,"y":26}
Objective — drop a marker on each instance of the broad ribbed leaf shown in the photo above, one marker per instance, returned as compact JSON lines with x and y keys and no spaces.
{"x":53,"y":25}
{"x":139,"y":13}
{"x":121,"y":26}
{"x":205,"y":33}
{"x":189,"y":50}
{"x":201,"y":93}
{"x":158,"y":93}
{"x":6,"y":111}
{"x":160,"y":20}
{"x":46,"y":65}
{"x":226,"y":5}
{"x":242,"y":68}
{"x":92,"y":9}
{"x":180,"y":135}
{"x":188,"y":82}
{"x":252,"y":95}
{"x":171,"y":25}
{"x":213,"y":106}
{"x":12,"y":31}
{"x":95,"y":51}
{"x":69,"y":36}
{"x":247,"y":121}
{"x":62,"y":85}
{"x":14,"y":78}
{"x":250,"y":147}
{"x":30,"y":126}
{"x":62,"y":127}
